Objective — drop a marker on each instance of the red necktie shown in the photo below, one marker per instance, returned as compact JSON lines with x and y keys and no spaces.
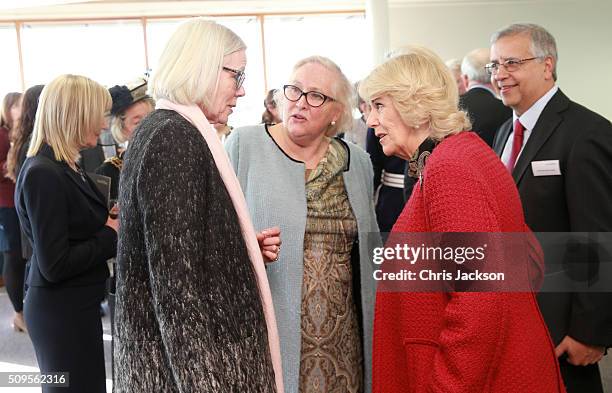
{"x":517,"y":144}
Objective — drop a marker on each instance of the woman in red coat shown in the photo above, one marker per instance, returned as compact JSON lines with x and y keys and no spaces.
{"x":484,"y":340}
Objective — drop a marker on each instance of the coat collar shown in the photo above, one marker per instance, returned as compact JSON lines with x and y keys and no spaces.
{"x":83,"y":182}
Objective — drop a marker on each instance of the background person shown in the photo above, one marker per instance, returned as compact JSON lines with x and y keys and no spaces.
{"x":321,"y":198}
{"x":451,"y":341}
{"x":454,"y":67}
{"x":193,"y":309}
{"x":66,"y":220}
{"x":10,"y":244}
{"x":270,"y":115}
{"x":15,"y":272}
{"x":131,"y":104}
{"x":574,"y":196}
{"x":487,"y":113}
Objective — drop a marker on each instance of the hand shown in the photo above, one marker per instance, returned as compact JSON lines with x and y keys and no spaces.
{"x":579,"y":354}
{"x":269,"y":243}
{"x":113,"y":223}
{"x":114,"y":211}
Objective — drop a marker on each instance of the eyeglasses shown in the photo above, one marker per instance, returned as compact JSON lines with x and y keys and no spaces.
{"x":313,"y":98}
{"x":239,"y":75}
{"x":510,"y":65}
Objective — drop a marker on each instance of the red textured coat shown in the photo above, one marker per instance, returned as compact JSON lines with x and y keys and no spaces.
{"x":462,"y":342}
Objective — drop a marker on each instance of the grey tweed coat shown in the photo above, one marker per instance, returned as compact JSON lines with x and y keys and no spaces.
{"x":188,"y":314}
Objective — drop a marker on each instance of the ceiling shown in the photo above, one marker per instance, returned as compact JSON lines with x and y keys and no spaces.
{"x":30,"y":10}
{"x":40,"y":10}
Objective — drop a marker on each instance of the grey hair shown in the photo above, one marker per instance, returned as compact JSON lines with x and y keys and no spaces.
{"x":473,"y":65}
{"x":542,"y":42}
{"x":342,"y":91}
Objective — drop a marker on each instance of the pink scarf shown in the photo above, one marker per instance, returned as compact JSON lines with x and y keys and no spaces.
{"x":194,"y":115}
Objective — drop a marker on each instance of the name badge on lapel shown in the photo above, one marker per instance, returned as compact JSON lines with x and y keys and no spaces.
{"x":546,"y":168}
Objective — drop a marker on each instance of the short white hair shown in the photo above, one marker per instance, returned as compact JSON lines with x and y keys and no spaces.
{"x":473,"y":65}
{"x":190,"y":65}
{"x":454,"y":66}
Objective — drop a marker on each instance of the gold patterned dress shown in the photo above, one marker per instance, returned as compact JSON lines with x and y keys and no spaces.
{"x":331,"y":355}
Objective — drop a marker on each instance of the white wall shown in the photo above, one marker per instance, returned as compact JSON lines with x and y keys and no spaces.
{"x":582,"y":29}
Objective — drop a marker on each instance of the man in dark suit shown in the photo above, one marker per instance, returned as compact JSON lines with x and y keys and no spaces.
{"x":560,"y":155}
{"x":486,"y":111}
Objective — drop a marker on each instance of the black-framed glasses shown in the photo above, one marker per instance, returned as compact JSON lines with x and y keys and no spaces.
{"x":239,"y":75}
{"x":313,"y":98}
{"x":510,"y":65}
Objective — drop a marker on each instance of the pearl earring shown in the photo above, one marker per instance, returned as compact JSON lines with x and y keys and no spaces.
{"x":333,"y":123}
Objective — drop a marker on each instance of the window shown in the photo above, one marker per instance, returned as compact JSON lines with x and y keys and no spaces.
{"x":9,"y":66}
{"x":110,"y":53}
{"x":342,"y":38}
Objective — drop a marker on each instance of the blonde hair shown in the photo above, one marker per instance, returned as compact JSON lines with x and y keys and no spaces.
{"x":422,"y":90}
{"x":71,"y":107}
{"x":342,"y":91}
{"x":116,"y":123}
{"x":190,"y":65}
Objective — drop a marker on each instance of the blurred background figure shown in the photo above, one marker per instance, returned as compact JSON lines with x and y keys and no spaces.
{"x":23,"y":131}
{"x":131,"y":104}
{"x":16,"y":158}
{"x":318,"y":189}
{"x":357,"y":131}
{"x":487,"y":113}
{"x":15,"y":269}
{"x":223,"y":131}
{"x":66,"y":219}
{"x":454,"y":66}
{"x":270,"y":115}
{"x":10,"y":247}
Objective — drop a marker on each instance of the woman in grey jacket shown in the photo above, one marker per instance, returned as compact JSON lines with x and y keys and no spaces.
{"x":318,"y":189}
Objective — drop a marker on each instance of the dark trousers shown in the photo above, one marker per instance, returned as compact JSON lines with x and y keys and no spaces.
{"x":65,"y":327}
{"x":581,"y":379}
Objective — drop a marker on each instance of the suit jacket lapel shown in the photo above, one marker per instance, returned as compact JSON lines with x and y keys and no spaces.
{"x":87,"y":187}
{"x":502,"y":137}
{"x":545,"y":126}
{"x":91,"y":191}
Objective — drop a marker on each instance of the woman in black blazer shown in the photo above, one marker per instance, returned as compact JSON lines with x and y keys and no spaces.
{"x":66,"y":219}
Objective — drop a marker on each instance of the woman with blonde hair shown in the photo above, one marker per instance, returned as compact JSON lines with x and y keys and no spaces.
{"x":444,"y":338}
{"x":321,"y":197}
{"x":193,"y":308}
{"x":66,"y":219}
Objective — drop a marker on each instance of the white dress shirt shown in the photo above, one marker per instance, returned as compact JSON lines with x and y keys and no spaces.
{"x":528,"y":120}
